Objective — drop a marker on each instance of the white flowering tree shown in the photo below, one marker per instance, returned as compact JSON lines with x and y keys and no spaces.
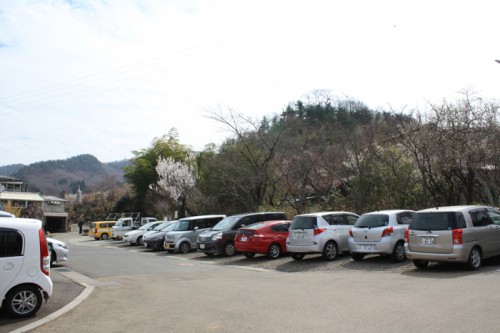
{"x":176,"y":179}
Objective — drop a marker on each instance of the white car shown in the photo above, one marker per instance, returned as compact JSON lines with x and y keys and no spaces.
{"x":381,"y":232}
{"x":59,"y":251}
{"x":134,"y":237}
{"x":6,"y":214}
{"x":24,"y":266}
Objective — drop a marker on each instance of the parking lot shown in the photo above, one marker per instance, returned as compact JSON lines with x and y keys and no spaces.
{"x":310,"y":263}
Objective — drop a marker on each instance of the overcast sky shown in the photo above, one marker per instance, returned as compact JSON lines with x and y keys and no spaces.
{"x":107,"y":77}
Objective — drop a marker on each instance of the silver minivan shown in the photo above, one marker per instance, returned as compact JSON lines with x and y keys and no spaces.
{"x":464,"y":234}
{"x":185,"y":233}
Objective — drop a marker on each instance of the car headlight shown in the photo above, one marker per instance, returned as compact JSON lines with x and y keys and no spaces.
{"x":217,"y":236}
{"x":178,"y":236}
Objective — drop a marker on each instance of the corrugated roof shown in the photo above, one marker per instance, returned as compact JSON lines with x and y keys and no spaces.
{"x":21,"y":196}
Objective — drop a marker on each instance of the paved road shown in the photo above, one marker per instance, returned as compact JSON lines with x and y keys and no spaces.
{"x":161,"y":292}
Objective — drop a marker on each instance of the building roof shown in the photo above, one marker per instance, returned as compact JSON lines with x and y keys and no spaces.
{"x":21,"y":196}
{"x":52,"y":198}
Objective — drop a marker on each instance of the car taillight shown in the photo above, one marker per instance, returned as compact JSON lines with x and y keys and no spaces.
{"x":387,"y":231}
{"x":44,"y":253}
{"x":350,"y":233}
{"x":317,"y":231}
{"x":457,"y":236}
{"x":407,"y":236}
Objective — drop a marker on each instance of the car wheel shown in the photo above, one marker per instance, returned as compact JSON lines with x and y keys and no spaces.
{"x":274,"y":251}
{"x":398,"y":254}
{"x":229,"y":249}
{"x":330,"y":251}
{"x":421,"y":263}
{"x":53,"y":257}
{"x":474,"y":261}
{"x":298,"y":256}
{"x":104,"y":236}
{"x":139,"y":241}
{"x":357,"y":256}
{"x":249,"y":254}
{"x":23,"y":301}
{"x":184,"y":247}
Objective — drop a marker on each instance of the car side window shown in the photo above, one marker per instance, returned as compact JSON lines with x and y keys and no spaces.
{"x":480,"y":218}
{"x":404,"y":218}
{"x":494,"y":216}
{"x":11,"y":243}
{"x":351,"y":219}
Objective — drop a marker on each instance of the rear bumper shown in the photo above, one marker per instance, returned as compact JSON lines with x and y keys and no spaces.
{"x":315,"y":248}
{"x":385,"y":246}
{"x":459,"y":254}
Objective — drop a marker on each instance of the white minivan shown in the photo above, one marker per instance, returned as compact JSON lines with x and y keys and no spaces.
{"x":24,"y":265}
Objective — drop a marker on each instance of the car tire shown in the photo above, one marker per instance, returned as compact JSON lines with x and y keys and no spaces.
{"x":104,"y":236}
{"x":398,"y":254}
{"x":184,"y":247}
{"x":357,"y":256}
{"x":139,"y":241}
{"x":298,"y":256}
{"x":330,"y":251}
{"x":421,"y":263}
{"x":229,"y":250}
{"x":274,"y":251}
{"x":475,"y":259}
{"x":53,"y":257}
{"x":23,"y":301}
{"x":249,"y":254}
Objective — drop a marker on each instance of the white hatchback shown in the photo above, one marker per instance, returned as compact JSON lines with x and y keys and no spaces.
{"x":24,"y":266}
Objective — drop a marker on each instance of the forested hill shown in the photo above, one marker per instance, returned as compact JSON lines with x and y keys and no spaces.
{"x":57,"y":177}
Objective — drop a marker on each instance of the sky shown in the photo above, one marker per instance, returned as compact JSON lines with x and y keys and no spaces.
{"x":107,"y":77}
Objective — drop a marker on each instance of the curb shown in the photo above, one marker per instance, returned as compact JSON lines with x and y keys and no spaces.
{"x":77,"y":278}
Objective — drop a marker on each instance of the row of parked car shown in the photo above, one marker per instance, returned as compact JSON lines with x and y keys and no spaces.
{"x":464,"y":234}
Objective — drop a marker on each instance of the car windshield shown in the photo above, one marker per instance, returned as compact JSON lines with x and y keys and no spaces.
{"x":304,"y":222}
{"x":226,"y":224}
{"x":372,"y":221}
{"x":255,"y":225}
{"x":146,"y":226}
{"x":437,"y":221}
{"x":162,"y":226}
{"x":182,"y":225}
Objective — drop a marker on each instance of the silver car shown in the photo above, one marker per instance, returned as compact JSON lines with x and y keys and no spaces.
{"x":381,"y":232}
{"x":185,"y":233}
{"x":325,"y":233}
{"x":464,"y":234}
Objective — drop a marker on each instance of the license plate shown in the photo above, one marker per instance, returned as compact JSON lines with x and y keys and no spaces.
{"x":428,"y":241}
{"x":244,"y":239}
{"x":367,"y":247}
{"x":202,"y":246}
{"x":299,"y":234}
{"x":145,"y":244}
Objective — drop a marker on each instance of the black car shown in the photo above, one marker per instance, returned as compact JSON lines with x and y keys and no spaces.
{"x":220,"y":239}
{"x":155,"y":240}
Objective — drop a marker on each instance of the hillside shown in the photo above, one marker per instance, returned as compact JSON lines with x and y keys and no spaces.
{"x":65,"y":176}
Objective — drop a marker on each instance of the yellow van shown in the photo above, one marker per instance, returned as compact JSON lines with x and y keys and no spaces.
{"x":101,"y":229}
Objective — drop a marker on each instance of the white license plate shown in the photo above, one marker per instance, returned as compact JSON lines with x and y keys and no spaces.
{"x":428,"y":241}
{"x":244,"y":239}
{"x":145,"y":244}
{"x":367,"y":247}
{"x":299,"y":235}
{"x":202,"y":246}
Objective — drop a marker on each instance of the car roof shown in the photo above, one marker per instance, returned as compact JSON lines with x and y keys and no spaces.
{"x":256,"y":213}
{"x":201,"y":217}
{"x":453,"y":208}
{"x":389,"y":211}
{"x":327,"y":213}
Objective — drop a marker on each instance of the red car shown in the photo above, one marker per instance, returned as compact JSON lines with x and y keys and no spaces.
{"x":268,"y":237}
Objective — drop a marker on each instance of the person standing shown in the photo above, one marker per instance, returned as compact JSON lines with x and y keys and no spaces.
{"x":80,"y":227}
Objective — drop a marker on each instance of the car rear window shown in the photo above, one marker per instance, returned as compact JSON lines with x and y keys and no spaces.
{"x":438,"y":221}
{"x":304,"y":222}
{"x":11,"y":243}
{"x":372,"y":221}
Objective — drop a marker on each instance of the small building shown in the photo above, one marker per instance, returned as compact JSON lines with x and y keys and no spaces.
{"x":13,"y":193}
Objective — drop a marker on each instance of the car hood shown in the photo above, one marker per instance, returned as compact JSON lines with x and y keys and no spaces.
{"x":211,"y":232}
{"x":156,"y":234}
